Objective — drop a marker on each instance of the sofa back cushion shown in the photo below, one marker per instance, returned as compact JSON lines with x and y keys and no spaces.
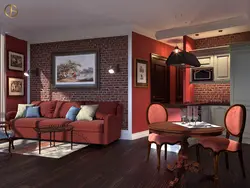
{"x":104,"y":108}
{"x":47,"y":108}
{"x":62,"y":107}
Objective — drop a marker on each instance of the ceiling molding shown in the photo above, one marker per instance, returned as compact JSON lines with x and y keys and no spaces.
{"x":210,"y":26}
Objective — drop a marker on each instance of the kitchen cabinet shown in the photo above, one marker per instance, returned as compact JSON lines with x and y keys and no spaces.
{"x":206,"y":61}
{"x":222,"y":67}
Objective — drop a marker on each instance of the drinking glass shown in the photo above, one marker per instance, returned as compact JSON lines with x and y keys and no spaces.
{"x":189,"y":113}
{"x":183,"y":114}
{"x":195,"y":114}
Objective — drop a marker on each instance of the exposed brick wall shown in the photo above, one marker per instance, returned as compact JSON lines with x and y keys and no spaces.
{"x":212,"y":92}
{"x":113,"y":87}
{"x":222,"y":40}
{"x":218,"y":92}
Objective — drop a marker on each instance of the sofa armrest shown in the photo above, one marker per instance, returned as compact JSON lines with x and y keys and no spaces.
{"x":10,"y":115}
{"x":112,"y":128}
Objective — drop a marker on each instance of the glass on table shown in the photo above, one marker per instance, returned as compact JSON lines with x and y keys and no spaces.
{"x":195,"y":113}
{"x":183,"y":114}
{"x":189,"y":113}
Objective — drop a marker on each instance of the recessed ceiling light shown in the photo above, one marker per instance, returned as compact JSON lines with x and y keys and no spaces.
{"x":197,"y":34}
{"x":220,"y":30}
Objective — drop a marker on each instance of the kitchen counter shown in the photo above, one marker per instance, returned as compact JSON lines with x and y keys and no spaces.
{"x":183,"y":105}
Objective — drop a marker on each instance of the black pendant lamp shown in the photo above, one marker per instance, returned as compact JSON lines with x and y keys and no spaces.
{"x":182,"y":58}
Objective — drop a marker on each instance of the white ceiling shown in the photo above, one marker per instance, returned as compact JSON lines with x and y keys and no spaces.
{"x":40,"y":20}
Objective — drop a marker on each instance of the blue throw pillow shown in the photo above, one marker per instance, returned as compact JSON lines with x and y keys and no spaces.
{"x":32,"y":112}
{"x":72,"y":113}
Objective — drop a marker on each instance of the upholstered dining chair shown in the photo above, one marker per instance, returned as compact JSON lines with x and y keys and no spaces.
{"x":158,"y":113}
{"x":235,"y":119}
{"x":6,"y":135}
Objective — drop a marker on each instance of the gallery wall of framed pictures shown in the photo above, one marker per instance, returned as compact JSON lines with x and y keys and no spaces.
{"x":15,"y":84}
{"x":141,"y":73}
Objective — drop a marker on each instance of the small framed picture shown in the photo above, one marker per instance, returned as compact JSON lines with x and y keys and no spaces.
{"x":15,"y":86}
{"x":16,"y":61}
{"x":141,"y":73}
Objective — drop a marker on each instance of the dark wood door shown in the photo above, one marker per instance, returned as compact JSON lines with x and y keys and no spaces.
{"x":160,"y":79}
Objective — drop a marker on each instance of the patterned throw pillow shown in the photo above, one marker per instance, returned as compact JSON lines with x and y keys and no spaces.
{"x":21,"y":110}
{"x":87,"y":112}
{"x":32,"y":112}
{"x":72,"y":113}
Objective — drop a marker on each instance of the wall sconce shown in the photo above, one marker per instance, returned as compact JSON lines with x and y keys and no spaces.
{"x":114,"y":69}
{"x":29,"y":72}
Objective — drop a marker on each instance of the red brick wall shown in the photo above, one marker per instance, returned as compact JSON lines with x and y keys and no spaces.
{"x":19,"y":46}
{"x":219,"y":92}
{"x":212,"y":92}
{"x":113,"y":87}
{"x":222,"y":40}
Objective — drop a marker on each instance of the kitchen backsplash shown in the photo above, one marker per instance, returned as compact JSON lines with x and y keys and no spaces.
{"x":212,"y":92}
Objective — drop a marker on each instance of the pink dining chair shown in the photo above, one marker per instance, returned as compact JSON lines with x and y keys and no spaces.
{"x":158,"y":113}
{"x":235,"y":119}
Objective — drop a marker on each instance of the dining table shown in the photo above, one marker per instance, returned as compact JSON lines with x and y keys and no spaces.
{"x":184,"y":131}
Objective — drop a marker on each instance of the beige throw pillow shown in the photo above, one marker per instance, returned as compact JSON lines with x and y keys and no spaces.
{"x":87,"y":112}
{"x":21,"y":110}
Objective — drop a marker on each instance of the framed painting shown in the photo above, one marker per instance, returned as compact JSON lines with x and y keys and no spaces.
{"x":15,"y":86}
{"x":16,"y":61}
{"x":141,"y":73}
{"x":75,"y":69}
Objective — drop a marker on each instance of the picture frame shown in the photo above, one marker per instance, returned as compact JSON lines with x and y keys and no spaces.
{"x":15,"y":86}
{"x":15,"y":61}
{"x":141,"y":73}
{"x":75,"y":69}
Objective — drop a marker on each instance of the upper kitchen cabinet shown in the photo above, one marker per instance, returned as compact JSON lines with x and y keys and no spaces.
{"x":222,"y":67}
{"x":218,"y":58}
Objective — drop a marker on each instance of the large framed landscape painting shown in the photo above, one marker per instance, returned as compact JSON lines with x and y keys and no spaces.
{"x":15,"y":86}
{"x":16,"y":61}
{"x":75,"y":69}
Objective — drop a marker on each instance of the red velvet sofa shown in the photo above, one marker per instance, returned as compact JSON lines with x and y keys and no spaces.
{"x":104,"y":129}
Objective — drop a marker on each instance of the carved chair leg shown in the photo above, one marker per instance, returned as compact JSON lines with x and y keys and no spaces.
{"x":216,"y":164}
{"x":149,"y":149}
{"x":9,"y":145}
{"x":242,"y":163}
{"x":166,"y":150}
{"x":226,"y":159}
{"x":12,"y":143}
{"x":198,"y":153}
{"x":158,"y":149}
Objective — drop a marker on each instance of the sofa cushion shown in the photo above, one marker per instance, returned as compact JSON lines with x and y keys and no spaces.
{"x":62,"y":107}
{"x":54,"y":122}
{"x":72,"y":113}
{"x":32,"y":112}
{"x":21,"y":110}
{"x":25,"y":122}
{"x":47,"y":108}
{"x":104,"y":108}
{"x":88,"y":126}
{"x":87,"y":112}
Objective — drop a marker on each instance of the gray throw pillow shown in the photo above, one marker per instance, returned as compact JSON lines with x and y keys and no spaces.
{"x":21,"y":109}
{"x":87,"y":112}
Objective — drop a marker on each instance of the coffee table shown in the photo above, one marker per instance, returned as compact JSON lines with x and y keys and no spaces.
{"x":53,"y":129}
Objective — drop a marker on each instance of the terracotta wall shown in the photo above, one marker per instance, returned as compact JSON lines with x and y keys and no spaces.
{"x":217,"y":92}
{"x":19,"y":46}
{"x":113,"y":87}
{"x":141,"y":48}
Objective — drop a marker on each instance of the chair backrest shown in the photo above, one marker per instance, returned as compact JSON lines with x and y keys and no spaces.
{"x":235,"y":119}
{"x":156,"y":113}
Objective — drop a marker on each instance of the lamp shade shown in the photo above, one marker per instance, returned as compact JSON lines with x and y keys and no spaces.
{"x":183,"y":58}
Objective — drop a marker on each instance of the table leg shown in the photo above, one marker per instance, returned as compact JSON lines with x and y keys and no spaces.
{"x":50,"y":139}
{"x":71,"y":139}
{"x":54,"y":135}
{"x":182,"y":165}
{"x":39,"y":142}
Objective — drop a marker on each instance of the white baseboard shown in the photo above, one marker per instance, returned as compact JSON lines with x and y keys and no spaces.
{"x":125,"y":135}
{"x":140,"y":135}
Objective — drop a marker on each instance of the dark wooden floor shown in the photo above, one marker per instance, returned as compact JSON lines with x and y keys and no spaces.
{"x":120,"y":165}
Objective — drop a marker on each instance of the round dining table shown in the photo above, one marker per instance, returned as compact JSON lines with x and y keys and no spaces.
{"x":183,"y":164}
